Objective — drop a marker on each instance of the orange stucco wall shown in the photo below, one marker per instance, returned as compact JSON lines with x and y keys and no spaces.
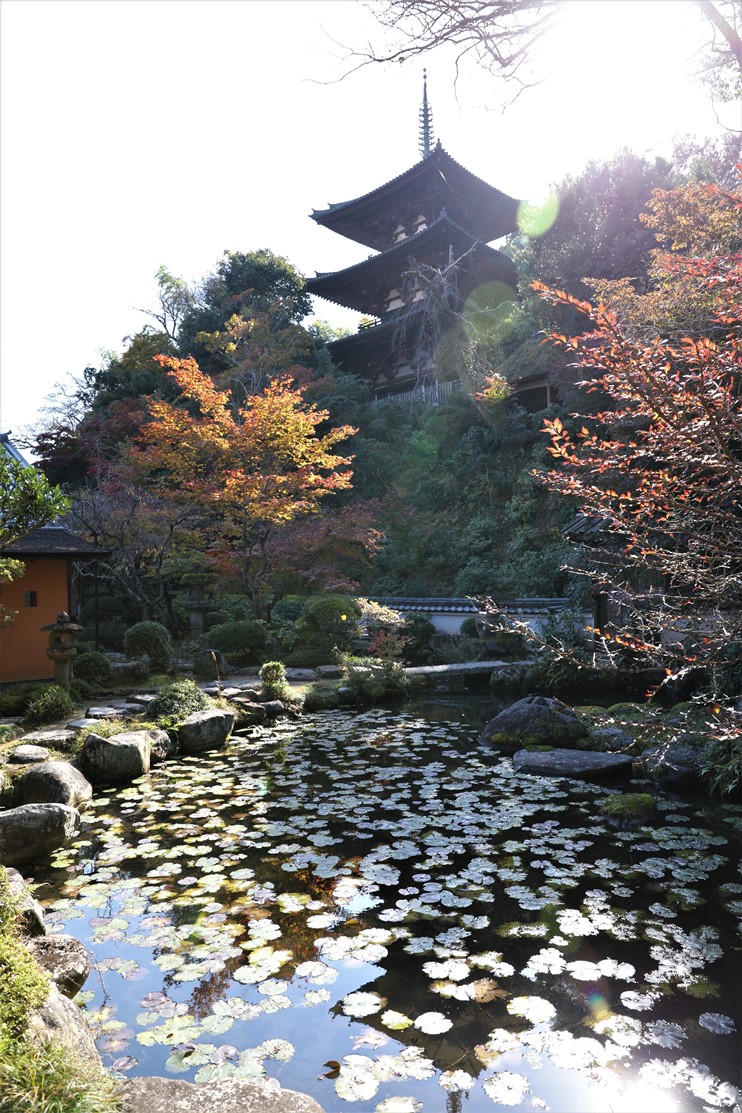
{"x":22,"y":644}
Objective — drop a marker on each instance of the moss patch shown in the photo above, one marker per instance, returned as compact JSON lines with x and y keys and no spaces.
{"x":629,"y":809}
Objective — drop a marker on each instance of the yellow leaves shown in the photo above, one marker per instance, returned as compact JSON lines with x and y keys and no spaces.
{"x":262,"y":461}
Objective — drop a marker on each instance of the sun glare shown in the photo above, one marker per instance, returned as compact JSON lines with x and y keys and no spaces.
{"x":620,"y":68}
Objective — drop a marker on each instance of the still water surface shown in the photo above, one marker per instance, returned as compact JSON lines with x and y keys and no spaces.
{"x":373,"y":910}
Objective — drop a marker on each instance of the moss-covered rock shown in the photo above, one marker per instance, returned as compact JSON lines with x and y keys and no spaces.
{"x":628,"y":810}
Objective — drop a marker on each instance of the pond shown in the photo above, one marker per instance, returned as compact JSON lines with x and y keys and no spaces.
{"x":374,"y":911}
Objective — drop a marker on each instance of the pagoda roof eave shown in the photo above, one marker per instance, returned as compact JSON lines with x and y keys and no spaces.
{"x":334,"y":285}
{"x":433,"y":164}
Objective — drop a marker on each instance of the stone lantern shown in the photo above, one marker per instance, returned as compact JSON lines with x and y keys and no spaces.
{"x":197,"y":603}
{"x":62,"y":647}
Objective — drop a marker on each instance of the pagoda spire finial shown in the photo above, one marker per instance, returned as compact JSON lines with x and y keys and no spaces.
{"x":426,"y":136}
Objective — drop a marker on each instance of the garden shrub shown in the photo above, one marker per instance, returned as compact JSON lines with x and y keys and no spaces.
{"x":721,"y":767}
{"x":328,"y":624}
{"x":321,"y":696}
{"x":242,"y":643}
{"x":309,"y":653}
{"x":417,"y":635}
{"x":390,"y":682}
{"x":94,"y":668}
{"x":176,"y":702}
{"x":15,"y":701}
{"x":228,"y":608}
{"x":80,"y":690}
{"x":273,"y":676}
{"x":52,"y":704}
{"x":151,"y":639}
{"x":288,"y":609}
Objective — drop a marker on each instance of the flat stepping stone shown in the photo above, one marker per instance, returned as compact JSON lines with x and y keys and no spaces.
{"x":76,"y":725}
{"x":141,"y":699}
{"x":28,"y":755}
{"x":105,"y":712}
{"x":301,"y":675}
{"x":583,"y":765}
{"x":57,"y":736}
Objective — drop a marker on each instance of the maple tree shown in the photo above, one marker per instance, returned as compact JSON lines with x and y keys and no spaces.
{"x":659,"y":469}
{"x":249,"y":467}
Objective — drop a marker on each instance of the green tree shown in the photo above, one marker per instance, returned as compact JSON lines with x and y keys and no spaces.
{"x":243,"y":285}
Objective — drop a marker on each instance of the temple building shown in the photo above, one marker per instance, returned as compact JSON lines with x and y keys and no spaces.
{"x":435,"y":219}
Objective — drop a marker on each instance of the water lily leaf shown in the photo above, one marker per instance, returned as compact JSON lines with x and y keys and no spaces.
{"x":433,"y":1024}
{"x":398,"y":1105}
{"x":395,"y":1021}
{"x":362,"y":1004}
{"x":456,"y":1081}
{"x":319,"y":973}
{"x":718,"y":1023}
{"x":356,"y":1081}
{"x":507,"y":1088}
{"x":217,"y":1024}
{"x":535,"y":1009}
{"x":281,"y":1050}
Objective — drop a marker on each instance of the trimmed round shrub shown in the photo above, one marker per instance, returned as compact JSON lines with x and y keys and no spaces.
{"x":94,"y":668}
{"x":329,"y":623}
{"x":151,"y":639}
{"x":176,"y":702}
{"x":242,"y":643}
{"x":273,"y":675}
{"x":52,"y":704}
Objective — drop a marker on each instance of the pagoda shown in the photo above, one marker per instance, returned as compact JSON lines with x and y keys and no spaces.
{"x":435,"y":217}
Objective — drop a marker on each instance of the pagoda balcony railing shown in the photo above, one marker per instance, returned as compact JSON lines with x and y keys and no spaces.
{"x":429,"y":394}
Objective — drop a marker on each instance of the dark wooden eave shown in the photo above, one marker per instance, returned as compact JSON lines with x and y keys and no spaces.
{"x":436,"y":182}
{"x":365,"y":286}
{"x":54,"y":541}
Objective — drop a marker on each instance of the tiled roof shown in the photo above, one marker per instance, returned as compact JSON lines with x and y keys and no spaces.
{"x":454,"y":605}
{"x":439,"y":154}
{"x":54,"y":541}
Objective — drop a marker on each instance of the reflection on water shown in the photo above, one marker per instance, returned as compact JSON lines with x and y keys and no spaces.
{"x":372,"y":910}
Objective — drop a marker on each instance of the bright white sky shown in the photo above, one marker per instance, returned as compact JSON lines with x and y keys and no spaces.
{"x":144,"y":132}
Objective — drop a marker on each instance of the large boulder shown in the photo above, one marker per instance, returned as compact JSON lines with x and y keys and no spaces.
{"x":203,"y":730}
{"x":58,"y":1019}
{"x":609,"y":739}
{"x":119,"y":758}
{"x":173,"y":1095}
{"x":28,"y":755}
{"x":581,"y":765}
{"x":628,"y":810}
{"x":273,"y":708}
{"x":534,"y":720}
{"x":249,"y":714}
{"x":161,"y":745}
{"x":30,"y":911}
{"x":64,"y":959}
{"x":33,"y":831}
{"x":676,"y":763}
{"x":52,"y":782}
